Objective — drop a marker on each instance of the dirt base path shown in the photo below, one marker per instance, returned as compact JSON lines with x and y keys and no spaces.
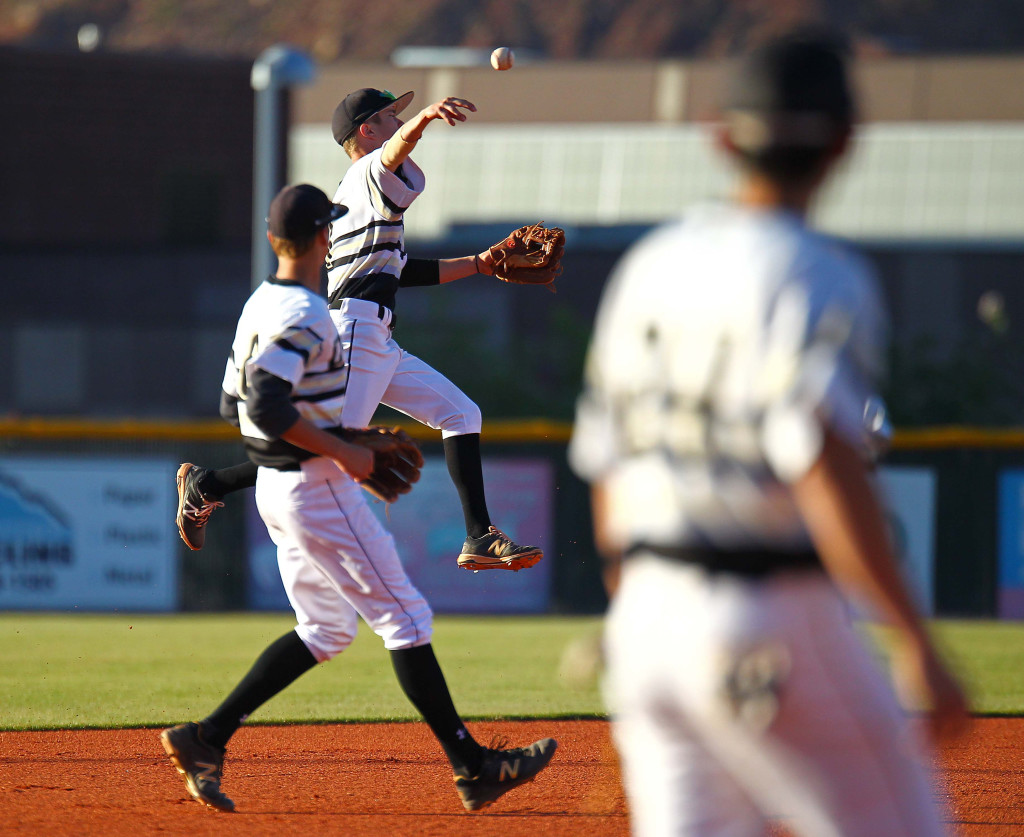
{"x":390,"y":779}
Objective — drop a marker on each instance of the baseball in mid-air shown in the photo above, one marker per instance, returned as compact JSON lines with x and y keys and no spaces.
{"x":503,"y":58}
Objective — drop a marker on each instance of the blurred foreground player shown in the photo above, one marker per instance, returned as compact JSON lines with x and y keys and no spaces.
{"x":722,"y":427}
{"x":337,"y":561}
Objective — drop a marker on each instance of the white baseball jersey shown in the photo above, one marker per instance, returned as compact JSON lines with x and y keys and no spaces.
{"x":285,"y":329}
{"x":723,"y":346}
{"x":363,"y":268}
{"x":368,"y":243}
{"x":335,"y":557}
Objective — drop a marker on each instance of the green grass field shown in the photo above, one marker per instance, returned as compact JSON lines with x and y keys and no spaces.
{"x":63,"y":671}
{"x":141,"y":670}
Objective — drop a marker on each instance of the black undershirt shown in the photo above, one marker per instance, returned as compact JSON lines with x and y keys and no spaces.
{"x":382,"y":288}
{"x":270,"y":408}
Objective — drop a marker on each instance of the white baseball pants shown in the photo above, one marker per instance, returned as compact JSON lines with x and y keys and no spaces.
{"x":734,"y":701}
{"x":337,"y":560}
{"x":381,"y":371}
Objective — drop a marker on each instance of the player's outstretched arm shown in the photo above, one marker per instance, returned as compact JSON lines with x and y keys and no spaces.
{"x":452,"y":269}
{"x":398,"y":148}
{"x":847,"y":524}
{"x":459,"y":268}
{"x":422,"y":272}
{"x":528,"y":255}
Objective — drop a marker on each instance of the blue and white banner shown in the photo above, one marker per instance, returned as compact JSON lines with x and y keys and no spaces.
{"x":909,"y":495}
{"x":1011,"y":544}
{"x":429,"y":531}
{"x":85,"y":533}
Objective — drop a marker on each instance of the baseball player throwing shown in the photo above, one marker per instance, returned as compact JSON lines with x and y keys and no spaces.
{"x":367,"y":265}
{"x":286,"y":377}
{"x":722,"y":427}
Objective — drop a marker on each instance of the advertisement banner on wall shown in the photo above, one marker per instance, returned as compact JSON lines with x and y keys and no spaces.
{"x":428,"y":528}
{"x":1011,"y":544}
{"x":83,"y":533}
{"x":909,"y":494}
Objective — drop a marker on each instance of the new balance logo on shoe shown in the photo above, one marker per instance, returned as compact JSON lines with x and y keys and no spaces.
{"x":497,"y":551}
{"x":501,"y":770}
{"x":207,"y":771}
{"x":199,"y":764}
{"x":508,"y":771}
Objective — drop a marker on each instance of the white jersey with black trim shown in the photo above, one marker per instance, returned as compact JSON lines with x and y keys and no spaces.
{"x":286,"y":329}
{"x":723,"y":346}
{"x":368,"y":243}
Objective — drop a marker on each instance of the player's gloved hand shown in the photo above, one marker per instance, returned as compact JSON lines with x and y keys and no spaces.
{"x":356,"y":461}
{"x":397,"y":460}
{"x":530,"y":255}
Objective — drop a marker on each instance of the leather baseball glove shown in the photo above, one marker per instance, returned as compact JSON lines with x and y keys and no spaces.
{"x":530,"y":255}
{"x":396,"y":460}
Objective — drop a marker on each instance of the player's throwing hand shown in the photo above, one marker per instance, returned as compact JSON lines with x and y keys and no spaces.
{"x":449,"y":109}
{"x":405,"y":135}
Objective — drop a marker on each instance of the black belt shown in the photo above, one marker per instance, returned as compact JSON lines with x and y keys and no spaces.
{"x":749,"y":563}
{"x":335,"y":304}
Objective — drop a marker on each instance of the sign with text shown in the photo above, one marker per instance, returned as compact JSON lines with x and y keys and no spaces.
{"x":1011,"y":544}
{"x":909,"y":495}
{"x":428,"y":528}
{"x":87,"y":533}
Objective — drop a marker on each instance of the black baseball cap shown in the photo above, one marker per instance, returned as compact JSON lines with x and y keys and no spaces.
{"x":791,"y":92}
{"x":356,"y":108}
{"x":297,"y":213}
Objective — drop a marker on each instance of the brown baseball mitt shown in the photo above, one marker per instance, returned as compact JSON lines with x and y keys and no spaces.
{"x":396,"y":460}
{"x":530,"y":255}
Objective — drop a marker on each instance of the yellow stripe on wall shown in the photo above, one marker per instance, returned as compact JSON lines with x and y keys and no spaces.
{"x":215,"y":430}
{"x":955,"y":436}
{"x":510,"y":431}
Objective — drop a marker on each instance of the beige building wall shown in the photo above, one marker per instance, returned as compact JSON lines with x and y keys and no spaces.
{"x":891,"y":89}
{"x":939,"y":156}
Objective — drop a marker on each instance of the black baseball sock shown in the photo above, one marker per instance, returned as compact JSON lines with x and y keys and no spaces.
{"x":421,"y":679}
{"x":462,"y":455}
{"x":215,"y":484}
{"x":281,"y":663}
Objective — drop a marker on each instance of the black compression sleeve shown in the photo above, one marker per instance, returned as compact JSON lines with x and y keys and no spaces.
{"x":419,"y":272}
{"x":269,"y":405}
{"x":229,"y":408}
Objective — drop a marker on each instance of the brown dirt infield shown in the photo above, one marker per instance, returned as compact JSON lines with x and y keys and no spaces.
{"x":390,"y":779}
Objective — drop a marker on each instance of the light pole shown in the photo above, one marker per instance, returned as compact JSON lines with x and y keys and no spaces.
{"x":277,"y":68}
